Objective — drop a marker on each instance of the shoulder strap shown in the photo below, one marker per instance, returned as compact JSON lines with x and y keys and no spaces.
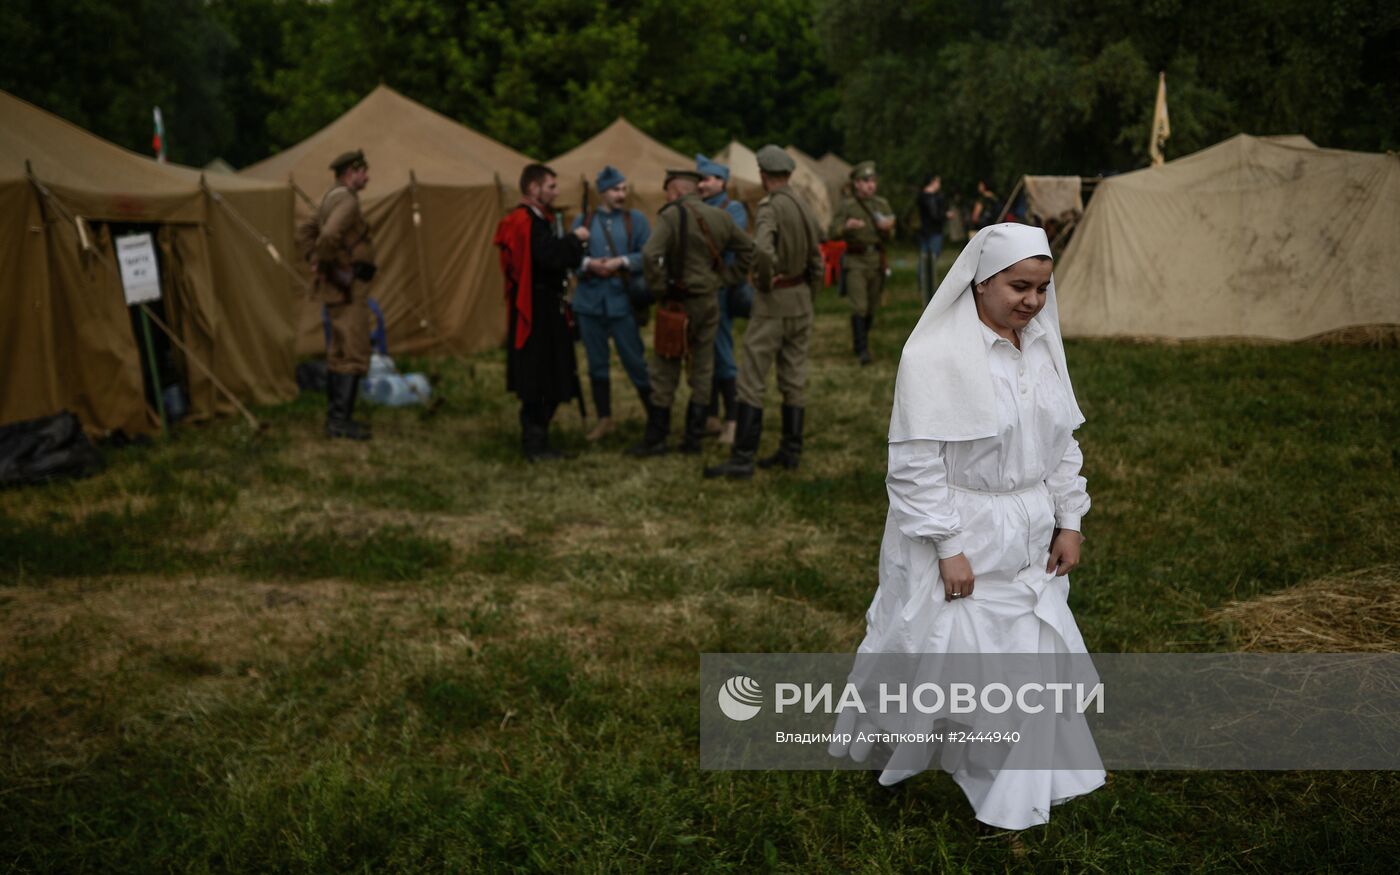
{"x":676,"y":269}
{"x":807,"y":221}
{"x":709,"y":240}
{"x":869,"y":215}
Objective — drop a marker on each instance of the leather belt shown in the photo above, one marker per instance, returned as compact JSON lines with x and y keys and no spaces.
{"x":787,"y":282}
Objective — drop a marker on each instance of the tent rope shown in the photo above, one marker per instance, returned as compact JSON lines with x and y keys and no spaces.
{"x":72,"y":218}
{"x":255,"y":234}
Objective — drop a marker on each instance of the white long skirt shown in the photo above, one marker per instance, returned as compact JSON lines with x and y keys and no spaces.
{"x":1015,"y":608}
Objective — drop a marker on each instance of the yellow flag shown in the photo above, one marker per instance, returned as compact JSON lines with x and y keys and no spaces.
{"x":1161,"y":127}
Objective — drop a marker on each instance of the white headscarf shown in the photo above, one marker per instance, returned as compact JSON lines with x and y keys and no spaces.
{"x":944,"y":388}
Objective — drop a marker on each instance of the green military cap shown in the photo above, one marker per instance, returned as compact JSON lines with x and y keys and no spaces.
{"x":349,"y":159}
{"x":864,"y":170}
{"x":682,"y":173}
{"x":775,"y":159}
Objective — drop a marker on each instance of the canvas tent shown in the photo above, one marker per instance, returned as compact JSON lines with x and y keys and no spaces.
{"x":744,"y":182}
{"x":641,"y":159}
{"x":1253,"y":237}
{"x":436,"y":191}
{"x":66,"y":336}
{"x":837,"y":173}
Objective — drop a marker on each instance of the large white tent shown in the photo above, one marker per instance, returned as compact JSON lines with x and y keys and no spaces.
{"x":1267,"y":237}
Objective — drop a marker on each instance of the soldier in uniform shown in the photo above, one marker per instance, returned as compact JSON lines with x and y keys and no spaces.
{"x":602,"y":303}
{"x":787,"y":268}
{"x":684,"y":263}
{"x":865,"y":222}
{"x":343,"y":256}
{"x":540,"y":365}
{"x":714,"y":180}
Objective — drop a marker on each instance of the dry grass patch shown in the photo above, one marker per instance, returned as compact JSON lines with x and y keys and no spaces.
{"x":1356,"y":612}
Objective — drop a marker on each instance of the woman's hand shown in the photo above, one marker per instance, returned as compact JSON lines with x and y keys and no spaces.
{"x":1064,"y":552}
{"x":956,"y":572}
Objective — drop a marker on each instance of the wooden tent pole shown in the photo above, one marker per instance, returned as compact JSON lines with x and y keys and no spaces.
{"x":424,"y":288}
{"x":1010,"y":202}
{"x":306,"y":198}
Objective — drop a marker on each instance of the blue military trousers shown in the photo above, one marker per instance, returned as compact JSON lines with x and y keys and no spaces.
{"x":595,"y":331}
{"x":725,"y":366}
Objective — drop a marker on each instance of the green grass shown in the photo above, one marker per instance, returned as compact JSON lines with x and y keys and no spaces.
{"x":238,"y":653}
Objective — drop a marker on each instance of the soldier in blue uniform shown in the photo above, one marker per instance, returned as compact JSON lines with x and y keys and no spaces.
{"x":602,"y":304}
{"x":714,"y":180}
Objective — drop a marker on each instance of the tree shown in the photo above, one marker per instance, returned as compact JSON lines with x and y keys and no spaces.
{"x":105,"y":66}
{"x":996,"y":90}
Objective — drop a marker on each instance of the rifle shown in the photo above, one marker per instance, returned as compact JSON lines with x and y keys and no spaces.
{"x":569,"y":311}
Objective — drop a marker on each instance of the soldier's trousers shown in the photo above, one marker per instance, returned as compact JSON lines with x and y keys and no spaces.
{"x":781,"y":339}
{"x":702,"y":315}
{"x":726,"y":367}
{"x":865,"y":282}
{"x":348,"y":349}
{"x":595,"y":331}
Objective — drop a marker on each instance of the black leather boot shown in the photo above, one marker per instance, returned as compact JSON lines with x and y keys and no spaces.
{"x":859,"y":338}
{"x":695,"y":414}
{"x":654,"y":439}
{"x":728,"y":392}
{"x":748,"y":429}
{"x":341,"y":390}
{"x":789,"y":452}
{"x":534,"y":434}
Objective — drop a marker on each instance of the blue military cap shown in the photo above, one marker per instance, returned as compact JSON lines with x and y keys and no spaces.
{"x":608,"y":177}
{"x":708,"y":167}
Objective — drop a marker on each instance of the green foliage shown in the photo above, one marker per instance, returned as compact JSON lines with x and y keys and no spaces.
{"x":544,"y":75}
{"x":973,"y":90}
{"x":996,"y":90}
{"x":105,"y":65}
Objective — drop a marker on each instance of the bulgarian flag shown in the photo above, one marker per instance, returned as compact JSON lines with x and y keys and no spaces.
{"x":158,"y":141}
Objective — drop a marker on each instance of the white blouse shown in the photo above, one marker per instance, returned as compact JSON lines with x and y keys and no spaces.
{"x":1034,"y":445}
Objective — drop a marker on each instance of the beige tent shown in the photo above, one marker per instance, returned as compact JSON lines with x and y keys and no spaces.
{"x":745,"y":184}
{"x":436,"y":191}
{"x":1253,"y":237}
{"x":641,"y":159}
{"x":837,"y":173}
{"x":66,"y":338}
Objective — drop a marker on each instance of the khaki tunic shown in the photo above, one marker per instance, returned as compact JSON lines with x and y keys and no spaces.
{"x":703,"y":275}
{"x":787,"y":236}
{"x":863,"y":274}
{"x":343,"y":239}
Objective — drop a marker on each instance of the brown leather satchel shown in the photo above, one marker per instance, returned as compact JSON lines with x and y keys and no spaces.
{"x":669,"y":338}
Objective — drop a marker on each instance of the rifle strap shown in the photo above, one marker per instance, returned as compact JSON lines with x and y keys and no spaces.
{"x":813,"y":245}
{"x":880,"y":242}
{"x":709,"y":240}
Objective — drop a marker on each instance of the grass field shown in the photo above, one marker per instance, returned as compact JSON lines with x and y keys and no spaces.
{"x":236,"y":653}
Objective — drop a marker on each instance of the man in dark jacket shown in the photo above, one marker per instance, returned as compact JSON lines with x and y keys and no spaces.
{"x":540,"y":365}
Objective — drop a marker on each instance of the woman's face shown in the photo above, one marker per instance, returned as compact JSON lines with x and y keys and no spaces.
{"x":1007,"y":301}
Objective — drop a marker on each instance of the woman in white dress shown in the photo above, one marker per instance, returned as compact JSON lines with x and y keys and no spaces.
{"x":985,"y":505}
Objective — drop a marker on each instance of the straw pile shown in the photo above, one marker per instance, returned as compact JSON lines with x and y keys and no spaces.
{"x":1356,"y":612}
